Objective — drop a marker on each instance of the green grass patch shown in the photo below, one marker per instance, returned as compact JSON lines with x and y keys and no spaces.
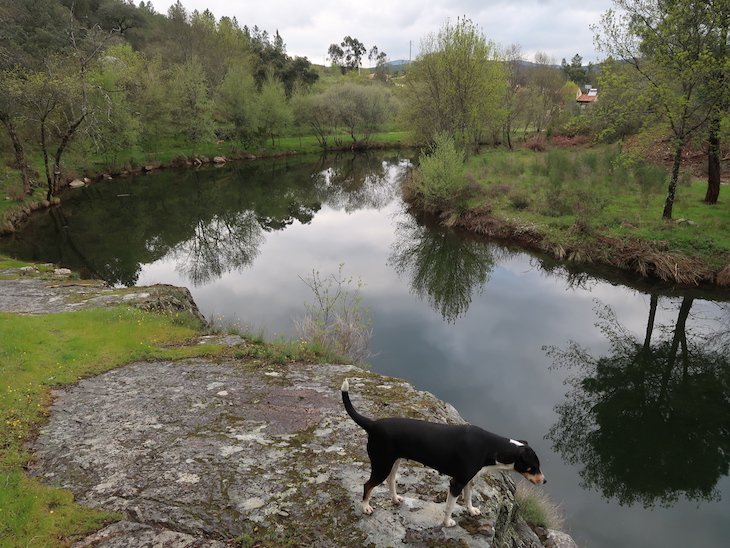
{"x":41,"y":352}
{"x":536,"y":508}
{"x":578,"y":194}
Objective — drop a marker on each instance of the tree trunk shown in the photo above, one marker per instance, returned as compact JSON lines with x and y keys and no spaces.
{"x":59,"y":152}
{"x":672,"y":190}
{"x":680,"y":332}
{"x":713,"y":162}
{"x":19,"y":152}
{"x":44,"y":147}
{"x":653,"y":302}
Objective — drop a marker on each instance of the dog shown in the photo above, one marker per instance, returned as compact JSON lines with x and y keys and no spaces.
{"x":460,"y":451}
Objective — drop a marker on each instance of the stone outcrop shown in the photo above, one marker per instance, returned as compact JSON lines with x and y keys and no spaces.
{"x":45,"y":289}
{"x":226,"y":450}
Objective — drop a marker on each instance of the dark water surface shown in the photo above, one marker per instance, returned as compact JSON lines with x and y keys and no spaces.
{"x":624,"y":393}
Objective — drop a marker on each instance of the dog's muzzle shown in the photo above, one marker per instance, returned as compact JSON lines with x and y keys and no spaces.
{"x":537,"y":479}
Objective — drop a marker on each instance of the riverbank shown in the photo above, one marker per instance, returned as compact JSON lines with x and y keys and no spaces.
{"x":587,"y":205}
{"x":15,"y":211}
{"x":123,"y":398}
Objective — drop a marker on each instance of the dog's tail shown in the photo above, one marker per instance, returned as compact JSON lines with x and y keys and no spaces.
{"x":363,"y":422}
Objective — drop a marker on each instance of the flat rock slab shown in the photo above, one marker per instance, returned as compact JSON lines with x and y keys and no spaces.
{"x":29,"y":292}
{"x":197,"y":453}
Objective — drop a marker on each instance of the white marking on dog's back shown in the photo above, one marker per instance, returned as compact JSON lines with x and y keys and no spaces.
{"x":517,"y":443}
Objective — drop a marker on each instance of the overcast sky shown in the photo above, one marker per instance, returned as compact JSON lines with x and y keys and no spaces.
{"x":556,"y":27}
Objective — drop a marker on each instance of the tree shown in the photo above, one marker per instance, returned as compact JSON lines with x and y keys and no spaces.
{"x":360,"y":110}
{"x":456,"y":85}
{"x":191,"y":105}
{"x":515,"y":96}
{"x":114,"y":123}
{"x":718,"y":83}
{"x":274,"y":112}
{"x":380,"y":58}
{"x":11,"y":85}
{"x":545,"y":90}
{"x":670,"y":45}
{"x":237,"y":103}
{"x":348,"y":54}
{"x":575,"y":72}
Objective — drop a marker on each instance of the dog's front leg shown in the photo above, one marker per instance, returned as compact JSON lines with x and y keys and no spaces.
{"x":468,"y":490}
{"x":455,"y":489}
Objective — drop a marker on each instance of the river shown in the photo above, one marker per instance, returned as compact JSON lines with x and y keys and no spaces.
{"x":621,"y":388}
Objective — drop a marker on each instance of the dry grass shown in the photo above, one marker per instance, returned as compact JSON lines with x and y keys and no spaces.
{"x":536,"y":508}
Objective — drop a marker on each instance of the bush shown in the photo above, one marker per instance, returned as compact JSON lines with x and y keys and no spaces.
{"x":440,"y":176}
{"x":336,"y":320}
{"x":537,"y":509}
{"x":519,"y":199}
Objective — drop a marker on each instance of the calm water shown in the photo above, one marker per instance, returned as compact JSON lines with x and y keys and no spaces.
{"x":624,"y":393}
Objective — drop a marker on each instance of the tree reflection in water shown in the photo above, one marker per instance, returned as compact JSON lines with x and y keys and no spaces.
{"x":444,"y":268}
{"x":649,"y":422}
{"x":226,"y":242}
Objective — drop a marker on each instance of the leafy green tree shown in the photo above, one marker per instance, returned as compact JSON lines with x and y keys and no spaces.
{"x":359,"y":110}
{"x":30,"y":32}
{"x":49,"y":100}
{"x":671,"y":46}
{"x":575,"y":71}
{"x":380,"y":58}
{"x":11,"y":117}
{"x":456,"y":85}
{"x":151,"y":99}
{"x":348,"y":54}
{"x":275,"y":115}
{"x":316,"y":112}
{"x":237,"y":103}
{"x":515,"y":98}
{"x":192,"y":108}
{"x":115,"y":126}
{"x":545,"y":89}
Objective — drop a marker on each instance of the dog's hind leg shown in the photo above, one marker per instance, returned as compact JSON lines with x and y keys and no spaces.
{"x":395,"y":497}
{"x":468,"y":489}
{"x":378,"y":473}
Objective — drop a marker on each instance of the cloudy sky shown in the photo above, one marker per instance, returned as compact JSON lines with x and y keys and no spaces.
{"x":556,"y":27}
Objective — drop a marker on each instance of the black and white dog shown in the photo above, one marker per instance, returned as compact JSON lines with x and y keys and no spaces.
{"x":460,"y":451}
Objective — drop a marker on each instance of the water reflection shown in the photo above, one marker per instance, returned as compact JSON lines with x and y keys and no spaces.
{"x":650,"y":421}
{"x":208,"y":222}
{"x":359,"y":181}
{"x":225,"y":243}
{"x":443,"y":267}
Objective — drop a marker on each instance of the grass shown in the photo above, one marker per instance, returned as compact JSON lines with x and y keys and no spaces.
{"x":38,"y":353}
{"x":582,"y":197}
{"x":536,"y":508}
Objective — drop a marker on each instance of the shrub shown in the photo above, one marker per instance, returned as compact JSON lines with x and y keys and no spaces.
{"x":519,"y":199}
{"x":336,"y":320}
{"x":537,"y":509}
{"x":440,"y":176}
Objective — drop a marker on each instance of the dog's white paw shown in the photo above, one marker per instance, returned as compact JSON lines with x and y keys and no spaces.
{"x":474,"y":511}
{"x":397,"y":499}
{"x":448,"y":522}
{"x":367,"y":509}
